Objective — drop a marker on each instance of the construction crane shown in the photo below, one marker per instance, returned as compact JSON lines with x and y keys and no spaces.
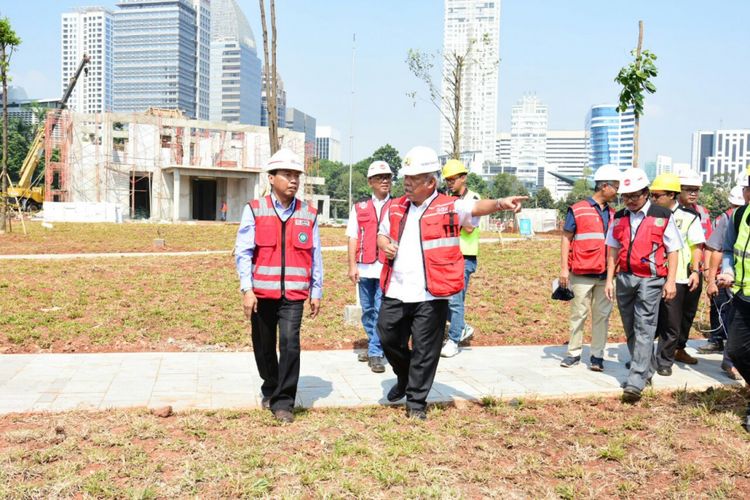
{"x":25,"y":193}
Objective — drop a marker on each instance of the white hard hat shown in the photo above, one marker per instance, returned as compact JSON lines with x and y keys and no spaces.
{"x":632,"y":180}
{"x":736,"y":197}
{"x":690,"y":178}
{"x":284,"y":159}
{"x":607,"y":173}
{"x":420,"y":160}
{"x":378,"y":167}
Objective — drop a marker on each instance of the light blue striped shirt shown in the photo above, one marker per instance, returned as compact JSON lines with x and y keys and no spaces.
{"x":245,"y":244}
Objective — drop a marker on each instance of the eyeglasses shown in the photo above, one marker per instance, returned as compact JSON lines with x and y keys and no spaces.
{"x":451,"y":180}
{"x":633,"y":196}
{"x":656,"y":196}
{"x":382,"y":178}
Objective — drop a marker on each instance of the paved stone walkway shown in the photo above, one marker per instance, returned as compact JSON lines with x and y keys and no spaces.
{"x":55,"y":382}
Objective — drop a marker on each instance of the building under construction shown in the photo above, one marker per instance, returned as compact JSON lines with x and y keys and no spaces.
{"x":158,"y":165}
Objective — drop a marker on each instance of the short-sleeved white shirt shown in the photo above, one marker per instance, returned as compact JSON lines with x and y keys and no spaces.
{"x":407,"y":279}
{"x":352,"y":231}
{"x":672,"y":237}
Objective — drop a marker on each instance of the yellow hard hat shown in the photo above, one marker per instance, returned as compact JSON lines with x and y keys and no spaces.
{"x":453,"y":167}
{"x":666,"y":182}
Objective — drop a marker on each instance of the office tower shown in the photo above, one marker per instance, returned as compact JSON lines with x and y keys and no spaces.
{"x":610,"y":136}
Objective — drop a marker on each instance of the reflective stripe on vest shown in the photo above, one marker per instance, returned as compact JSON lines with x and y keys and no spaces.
{"x":367,"y":251}
{"x":282,"y":257}
{"x":442,"y":259}
{"x":588,"y":252}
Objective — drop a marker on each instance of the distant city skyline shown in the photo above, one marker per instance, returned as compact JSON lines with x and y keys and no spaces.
{"x":566,"y":52}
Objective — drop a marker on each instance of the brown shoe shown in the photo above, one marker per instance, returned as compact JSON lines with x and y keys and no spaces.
{"x":284,"y":416}
{"x":731,"y":372}
{"x":683,"y":357}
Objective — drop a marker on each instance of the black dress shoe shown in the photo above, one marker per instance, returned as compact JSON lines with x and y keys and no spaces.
{"x":416,"y":414}
{"x":665,"y":371}
{"x":631,"y":395}
{"x":396,"y":393}
{"x":376,"y":364}
{"x":363,"y":357}
{"x":284,"y":416}
{"x":266,"y":403}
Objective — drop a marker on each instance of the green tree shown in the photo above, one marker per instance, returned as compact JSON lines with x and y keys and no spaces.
{"x":506,"y":184}
{"x":388,"y":154}
{"x":20,"y":136}
{"x":9,"y":40}
{"x":542,"y":199}
{"x":581,"y":190}
{"x":635,"y":80}
{"x":477,"y":184}
{"x":715,"y":197}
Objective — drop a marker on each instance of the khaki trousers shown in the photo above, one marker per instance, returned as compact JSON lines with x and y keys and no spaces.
{"x":589,"y":294}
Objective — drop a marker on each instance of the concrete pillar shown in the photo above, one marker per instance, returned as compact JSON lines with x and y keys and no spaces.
{"x":176,"y":196}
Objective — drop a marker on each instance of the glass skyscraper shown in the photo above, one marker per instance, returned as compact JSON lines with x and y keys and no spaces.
{"x":156,"y":49}
{"x":610,"y":136}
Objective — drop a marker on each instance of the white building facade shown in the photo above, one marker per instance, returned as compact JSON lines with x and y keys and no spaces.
{"x":567,"y":154}
{"x":88,"y":31}
{"x":327,"y":143}
{"x":474,"y":23}
{"x":528,"y":141}
{"x":720,"y":154}
{"x":235,"y":66}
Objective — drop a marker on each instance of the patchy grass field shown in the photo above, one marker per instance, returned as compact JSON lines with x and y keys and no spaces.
{"x":680,"y":445}
{"x":192,"y":303}
{"x":130,"y":237}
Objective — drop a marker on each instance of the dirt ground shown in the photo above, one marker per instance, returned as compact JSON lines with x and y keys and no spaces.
{"x":679,"y":445}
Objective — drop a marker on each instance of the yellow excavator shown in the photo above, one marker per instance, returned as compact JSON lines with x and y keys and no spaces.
{"x":25,"y":193}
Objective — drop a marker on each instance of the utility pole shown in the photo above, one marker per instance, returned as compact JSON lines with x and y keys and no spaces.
{"x":351,"y":123}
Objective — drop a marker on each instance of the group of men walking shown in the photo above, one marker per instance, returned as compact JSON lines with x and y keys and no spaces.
{"x":405,"y":255}
{"x":653,"y":256}
{"x":412,"y":257}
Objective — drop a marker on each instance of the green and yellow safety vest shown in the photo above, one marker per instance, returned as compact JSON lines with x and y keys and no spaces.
{"x":470,"y":241}
{"x":741,"y":253}
{"x":683,"y":219}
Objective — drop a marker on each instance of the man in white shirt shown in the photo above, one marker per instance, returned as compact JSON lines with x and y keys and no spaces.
{"x":366,"y":260}
{"x":420,"y":238}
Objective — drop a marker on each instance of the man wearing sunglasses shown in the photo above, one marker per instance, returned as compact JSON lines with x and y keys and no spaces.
{"x":643,"y":242}
{"x":676,"y":316}
{"x":365,"y":258}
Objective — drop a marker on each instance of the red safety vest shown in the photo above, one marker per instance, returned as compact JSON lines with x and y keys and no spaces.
{"x":282,"y":258}
{"x":705,"y":219}
{"x":645,"y":255}
{"x":588,"y":253}
{"x":367,"y":239}
{"x":441,"y":252}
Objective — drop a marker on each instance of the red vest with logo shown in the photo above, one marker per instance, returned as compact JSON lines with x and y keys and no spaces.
{"x":645,"y":255}
{"x":441,"y":252}
{"x":588,"y":253}
{"x":367,"y":223}
{"x":282,"y":258}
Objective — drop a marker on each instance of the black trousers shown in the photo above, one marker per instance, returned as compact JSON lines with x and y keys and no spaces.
{"x":424,"y":323}
{"x":738,"y":343}
{"x":280,"y":375}
{"x":675,"y":320}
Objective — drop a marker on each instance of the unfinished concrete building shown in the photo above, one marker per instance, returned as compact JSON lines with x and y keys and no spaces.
{"x":159,"y":165}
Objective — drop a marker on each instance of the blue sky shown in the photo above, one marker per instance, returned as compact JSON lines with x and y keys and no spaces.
{"x":565,"y":51}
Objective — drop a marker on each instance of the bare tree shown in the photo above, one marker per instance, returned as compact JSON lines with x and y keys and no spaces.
{"x":448,"y":98}
{"x":635,"y":80}
{"x":8,"y":42}
{"x":270,"y":81}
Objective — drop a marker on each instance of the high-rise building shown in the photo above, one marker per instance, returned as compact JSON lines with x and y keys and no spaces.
{"x":89,"y":31}
{"x":568,"y":155}
{"x":474,"y":23}
{"x":159,"y":56}
{"x":720,"y":153}
{"x":502,"y":148}
{"x":302,"y":122}
{"x":528,"y":141}
{"x":235,"y":67}
{"x":610,"y":136}
{"x":327,"y":143}
{"x":203,"y":57}
{"x":280,"y":102}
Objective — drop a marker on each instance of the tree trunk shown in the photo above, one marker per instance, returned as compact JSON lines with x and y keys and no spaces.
{"x":4,"y":194}
{"x":637,"y":125}
{"x":270,"y":81}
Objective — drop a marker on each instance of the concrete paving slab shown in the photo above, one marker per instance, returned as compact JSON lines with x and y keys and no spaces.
{"x":57,"y":382}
